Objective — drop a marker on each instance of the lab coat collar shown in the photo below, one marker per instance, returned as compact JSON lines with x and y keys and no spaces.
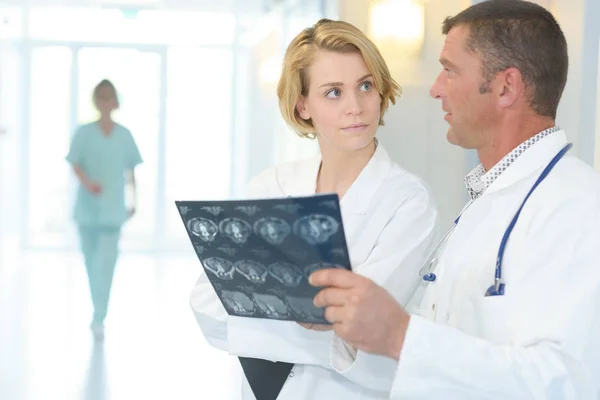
{"x":532,"y":160}
{"x":361,"y":194}
{"x":304,"y":180}
{"x":358,"y":198}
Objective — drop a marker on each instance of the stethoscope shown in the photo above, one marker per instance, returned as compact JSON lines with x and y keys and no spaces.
{"x":497,"y":289}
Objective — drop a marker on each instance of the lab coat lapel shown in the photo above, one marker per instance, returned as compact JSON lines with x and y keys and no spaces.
{"x":359,"y":198}
{"x":304,"y":180}
{"x":530,"y":162}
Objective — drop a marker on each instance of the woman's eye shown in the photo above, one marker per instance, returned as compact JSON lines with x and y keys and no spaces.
{"x":366,"y":86}
{"x":333,"y":94}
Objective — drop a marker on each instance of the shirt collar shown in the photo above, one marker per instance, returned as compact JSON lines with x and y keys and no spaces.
{"x":478,"y":180}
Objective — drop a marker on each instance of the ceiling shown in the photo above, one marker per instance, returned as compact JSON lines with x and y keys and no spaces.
{"x":241,"y":6}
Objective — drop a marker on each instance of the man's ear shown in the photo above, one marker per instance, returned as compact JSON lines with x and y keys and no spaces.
{"x":301,"y":108}
{"x":512,"y":87}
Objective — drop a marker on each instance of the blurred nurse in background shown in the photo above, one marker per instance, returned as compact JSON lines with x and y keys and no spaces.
{"x":103,"y":155}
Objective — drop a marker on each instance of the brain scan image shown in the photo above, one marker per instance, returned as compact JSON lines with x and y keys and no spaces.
{"x":253,"y":271}
{"x":286,"y":273}
{"x":271,"y":305}
{"x":221,"y":268}
{"x":316,"y":228}
{"x":236,"y":229}
{"x":203,"y":228}
{"x":316,"y":266}
{"x":304,"y":309}
{"x":238,"y":302}
{"x":273,"y":230}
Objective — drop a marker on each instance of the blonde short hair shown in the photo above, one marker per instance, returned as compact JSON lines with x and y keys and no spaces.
{"x":337,"y":36}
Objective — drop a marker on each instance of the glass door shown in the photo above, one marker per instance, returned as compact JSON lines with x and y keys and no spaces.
{"x":47,"y":178}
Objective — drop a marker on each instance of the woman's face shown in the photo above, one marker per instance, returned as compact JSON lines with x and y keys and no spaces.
{"x":342,"y":101}
{"x":105,"y":100}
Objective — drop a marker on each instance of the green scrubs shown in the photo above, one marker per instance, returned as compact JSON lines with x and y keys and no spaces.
{"x":104,"y":159}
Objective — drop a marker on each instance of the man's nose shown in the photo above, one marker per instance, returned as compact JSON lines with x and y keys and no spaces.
{"x":437,"y":90}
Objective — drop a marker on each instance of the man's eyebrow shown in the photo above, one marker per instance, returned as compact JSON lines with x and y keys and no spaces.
{"x":446,"y":63}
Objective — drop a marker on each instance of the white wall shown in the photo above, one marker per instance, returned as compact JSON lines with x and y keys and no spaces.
{"x":9,"y":106}
{"x":415,"y":131}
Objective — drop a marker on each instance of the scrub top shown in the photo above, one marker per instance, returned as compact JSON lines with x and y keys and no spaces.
{"x":103,"y":159}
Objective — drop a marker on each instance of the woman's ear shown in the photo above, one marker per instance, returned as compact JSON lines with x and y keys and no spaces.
{"x":302,"y":109}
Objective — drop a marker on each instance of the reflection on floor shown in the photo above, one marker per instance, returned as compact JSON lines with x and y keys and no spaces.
{"x":153,"y":347}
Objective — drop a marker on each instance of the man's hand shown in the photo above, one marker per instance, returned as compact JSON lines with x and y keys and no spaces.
{"x":316,"y":327}
{"x":363,"y":314}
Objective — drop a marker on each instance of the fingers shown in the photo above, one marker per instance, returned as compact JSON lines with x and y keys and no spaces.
{"x":335,"y":315}
{"x":315,"y":327}
{"x":331,"y":297}
{"x":321,"y":328}
{"x":336,"y":277}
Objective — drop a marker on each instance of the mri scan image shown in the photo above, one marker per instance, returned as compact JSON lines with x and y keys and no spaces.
{"x":258,"y":253}
{"x":213,"y":210}
{"x":203,"y":228}
{"x":236,"y":229}
{"x":313,"y":267}
{"x":304,"y":309}
{"x":253,"y":271}
{"x":316,"y":228}
{"x":227,"y":249}
{"x":199,"y":249}
{"x":221,"y":268}
{"x":288,"y":208}
{"x":271,"y":305}
{"x":273,"y":230}
{"x":248,"y":210}
{"x":184,"y":210}
{"x":238,"y":303}
{"x":286,"y":273}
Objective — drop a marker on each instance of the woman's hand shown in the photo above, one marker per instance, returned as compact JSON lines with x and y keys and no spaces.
{"x":93,"y":187}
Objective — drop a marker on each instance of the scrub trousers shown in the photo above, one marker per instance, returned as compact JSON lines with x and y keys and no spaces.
{"x":100,"y":248}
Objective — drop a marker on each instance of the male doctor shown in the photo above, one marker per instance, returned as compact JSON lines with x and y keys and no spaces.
{"x":509,"y":306}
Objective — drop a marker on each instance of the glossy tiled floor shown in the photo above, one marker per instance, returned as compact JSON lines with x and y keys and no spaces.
{"x":153,"y":348}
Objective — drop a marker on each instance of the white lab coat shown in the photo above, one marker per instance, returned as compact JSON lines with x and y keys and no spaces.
{"x":389,"y":220}
{"x":541,"y":340}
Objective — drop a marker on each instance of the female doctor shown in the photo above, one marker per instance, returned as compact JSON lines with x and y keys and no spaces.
{"x":101,"y":154}
{"x":335,"y":87}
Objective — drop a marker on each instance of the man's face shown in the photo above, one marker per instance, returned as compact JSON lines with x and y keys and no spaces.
{"x":462,"y":88}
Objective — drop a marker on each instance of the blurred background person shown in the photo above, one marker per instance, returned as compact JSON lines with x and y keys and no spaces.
{"x":103,"y":155}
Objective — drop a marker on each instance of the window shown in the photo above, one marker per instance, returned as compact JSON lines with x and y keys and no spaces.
{"x":11,"y":23}
{"x":143,"y":27}
{"x":49,"y":138}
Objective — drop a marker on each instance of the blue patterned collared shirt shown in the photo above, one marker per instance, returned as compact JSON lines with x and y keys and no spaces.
{"x":478,"y":180}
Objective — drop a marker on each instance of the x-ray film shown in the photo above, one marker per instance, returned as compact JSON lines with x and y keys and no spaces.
{"x":258,"y":254}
